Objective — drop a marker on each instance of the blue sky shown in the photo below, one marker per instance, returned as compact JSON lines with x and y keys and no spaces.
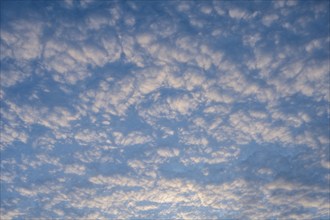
{"x":165,"y":109}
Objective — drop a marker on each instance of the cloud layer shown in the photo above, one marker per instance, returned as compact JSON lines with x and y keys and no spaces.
{"x":188,"y":110}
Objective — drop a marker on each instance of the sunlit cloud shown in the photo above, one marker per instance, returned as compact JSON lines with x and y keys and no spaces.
{"x":164,"y":110}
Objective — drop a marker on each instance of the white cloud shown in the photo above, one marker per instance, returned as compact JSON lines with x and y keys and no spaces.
{"x":75,"y":169}
{"x":95,"y":55}
{"x":187,"y":43}
{"x":111,"y":181}
{"x":70,"y":63}
{"x":58,"y":119}
{"x":144,"y":39}
{"x":269,"y":19}
{"x":313,"y":45}
{"x":86,"y":3}
{"x":237,"y":13}
{"x":12,"y":77}
{"x":11,"y":214}
{"x":44,"y":142}
{"x":225,"y":154}
{"x":219,"y":8}
{"x":151,"y":79}
{"x":95,"y":154}
{"x":136,"y":164}
{"x":15,"y":72}
{"x":325,"y":164}
{"x":168,"y":152}
{"x":130,"y":21}
{"x":132,"y":138}
{"x":189,"y":138}
{"x":258,"y":114}
{"x":9,"y":135}
{"x":206,"y":9}
{"x":184,"y":105}
{"x":175,"y":81}
{"x":91,"y":137}
{"x":96,"y":22}
{"x":256,"y":129}
{"x":298,"y":197}
{"x":111,"y":97}
{"x":24,"y":41}
{"x":217,"y":109}
{"x":67,"y":66}
{"x":251,"y":40}
{"x":129,"y":48}
{"x":113,"y":49}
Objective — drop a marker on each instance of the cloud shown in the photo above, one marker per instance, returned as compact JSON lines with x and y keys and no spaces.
{"x":206,"y":9}
{"x":226,"y":154}
{"x":75,"y":169}
{"x":120,"y":98}
{"x":237,"y":13}
{"x":90,"y":137}
{"x":132,"y":138}
{"x":269,"y":19}
{"x":144,"y":39}
{"x":151,"y":80}
{"x":23,"y":43}
{"x":86,"y":3}
{"x":10,"y":135}
{"x":167,"y":152}
{"x":11,"y":214}
{"x":199,"y":110}
{"x":313,"y":45}
{"x":183,"y":105}
{"x":13,"y":77}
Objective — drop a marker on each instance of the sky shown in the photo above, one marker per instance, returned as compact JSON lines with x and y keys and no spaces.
{"x":165,"y":109}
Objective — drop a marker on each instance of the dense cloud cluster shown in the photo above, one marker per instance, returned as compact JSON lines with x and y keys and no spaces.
{"x":174,"y":109}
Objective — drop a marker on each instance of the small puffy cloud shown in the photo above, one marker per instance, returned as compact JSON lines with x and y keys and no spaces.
{"x":251,"y":40}
{"x":132,"y":138}
{"x":189,"y":138}
{"x":11,"y":214}
{"x":258,"y":114}
{"x":151,"y":79}
{"x":9,"y":135}
{"x":96,"y":22}
{"x":183,"y":105}
{"x":144,"y":39}
{"x":237,"y":13}
{"x":24,"y":40}
{"x":26,"y":192}
{"x":217,"y":96}
{"x":206,"y":10}
{"x":86,"y":3}
{"x":12,"y":77}
{"x":269,"y":19}
{"x":90,"y":136}
{"x":313,"y":45}
{"x":44,"y":142}
{"x":168,"y":152}
{"x":75,"y":169}
{"x":325,"y":164}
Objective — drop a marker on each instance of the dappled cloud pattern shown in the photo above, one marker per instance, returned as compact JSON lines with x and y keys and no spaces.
{"x":165,"y":109}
